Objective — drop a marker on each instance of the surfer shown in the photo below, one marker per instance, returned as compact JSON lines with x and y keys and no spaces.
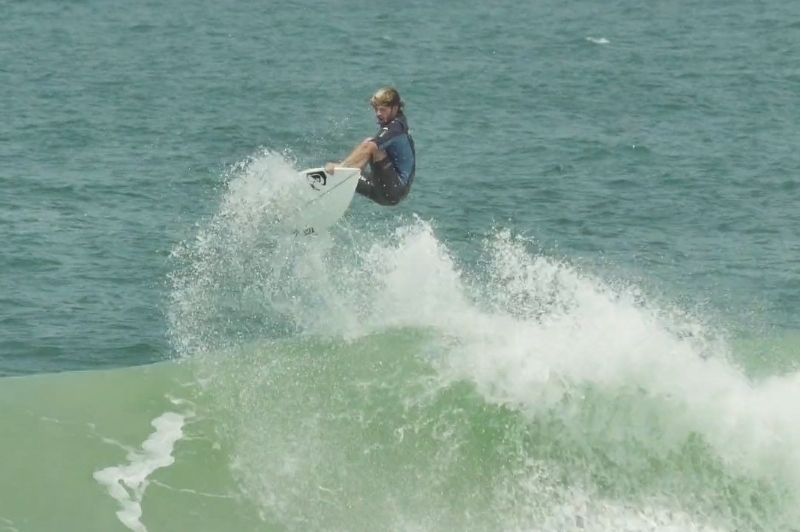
{"x":388,"y":160}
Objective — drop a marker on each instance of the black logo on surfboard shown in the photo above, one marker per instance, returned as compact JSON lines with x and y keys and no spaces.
{"x":306,"y":231}
{"x":317,"y":179}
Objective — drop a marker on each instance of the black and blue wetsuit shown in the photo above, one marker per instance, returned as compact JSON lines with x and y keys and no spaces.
{"x":388,"y":181}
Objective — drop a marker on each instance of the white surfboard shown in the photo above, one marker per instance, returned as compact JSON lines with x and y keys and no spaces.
{"x":321,"y":199}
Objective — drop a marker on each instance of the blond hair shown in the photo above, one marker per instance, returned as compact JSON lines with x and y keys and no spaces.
{"x":387,"y":96}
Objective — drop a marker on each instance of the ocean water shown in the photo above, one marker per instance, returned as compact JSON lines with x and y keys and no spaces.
{"x":583,"y":318}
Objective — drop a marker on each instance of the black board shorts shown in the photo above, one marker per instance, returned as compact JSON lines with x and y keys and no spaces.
{"x":382,"y":184}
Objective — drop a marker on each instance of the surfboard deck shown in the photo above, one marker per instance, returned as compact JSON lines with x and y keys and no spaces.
{"x":321,"y":200}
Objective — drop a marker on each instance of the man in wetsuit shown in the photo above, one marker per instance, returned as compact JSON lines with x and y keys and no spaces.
{"x":388,"y":160}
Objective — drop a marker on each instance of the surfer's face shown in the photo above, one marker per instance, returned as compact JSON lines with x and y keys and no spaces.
{"x":385,"y":113}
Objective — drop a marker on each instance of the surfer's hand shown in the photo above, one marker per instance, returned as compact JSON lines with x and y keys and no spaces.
{"x":330,"y":167}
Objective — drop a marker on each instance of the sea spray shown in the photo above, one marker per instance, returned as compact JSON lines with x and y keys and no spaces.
{"x":370,"y":379}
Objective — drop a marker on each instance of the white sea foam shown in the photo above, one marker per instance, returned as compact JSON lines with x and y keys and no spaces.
{"x":127,"y":483}
{"x":8,"y":525}
{"x":546,"y":324}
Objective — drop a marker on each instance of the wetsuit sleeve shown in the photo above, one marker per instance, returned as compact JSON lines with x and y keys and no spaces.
{"x":388,"y":133}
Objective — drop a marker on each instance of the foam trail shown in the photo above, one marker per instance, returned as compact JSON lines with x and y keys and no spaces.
{"x":8,"y":525}
{"x":127,"y":483}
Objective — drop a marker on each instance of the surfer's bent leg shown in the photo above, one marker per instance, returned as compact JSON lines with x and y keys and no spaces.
{"x":379,"y":180}
{"x":366,"y":185}
{"x":381,"y":183}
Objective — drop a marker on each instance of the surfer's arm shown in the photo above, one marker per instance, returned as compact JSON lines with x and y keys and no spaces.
{"x":359,"y":158}
{"x":370,"y":149}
